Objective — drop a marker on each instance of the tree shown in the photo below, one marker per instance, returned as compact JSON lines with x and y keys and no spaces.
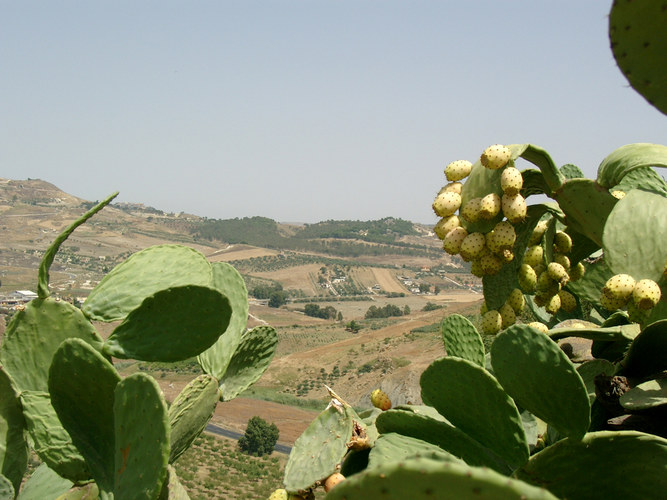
{"x":406,"y":310}
{"x":260,"y":437}
{"x":277,"y":299}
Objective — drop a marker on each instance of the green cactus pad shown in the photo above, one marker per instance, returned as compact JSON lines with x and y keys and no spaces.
{"x":141,"y":438}
{"x":646,"y":355}
{"x":462,"y":339}
{"x":172,"y":489}
{"x":394,"y":447}
{"x":171,"y":325}
{"x":142,"y":275}
{"x":633,"y":242}
{"x":441,"y":433}
{"x":13,"y":446}
{"x":6,"y":489}
{"x":635,"y":30}
{"x":423,"y":478}
{"x":191,"y":412}
{"x":624,"y":160}
{"x":318,"y":451}
{"x":252,"y":357}
{"x":34,"y":335}
{"x":541,"y":379}
{"x":570,"y":171}
{"x":591,"y":369}
{"x":587,"y":206}
{"x":533,"y":183}
{"x":588,"y":288}
{"x":44,"y":484}
{"x":611,"y":333}
{"x":539,"y":157}
{"x":229,"y":282}
{"x":88,"y":491}
{"x":51,"y":441}
{"x":50,"y":254}
{"x":606,"y":464}
{"x":473,"y":400}
{"x":643,"y":178}
{"x":650,"y":394}
{"x":82,"y":384}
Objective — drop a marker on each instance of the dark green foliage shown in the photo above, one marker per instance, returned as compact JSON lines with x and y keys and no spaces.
{"x":260,"y":437}
{"x":387,"y":311}
{"x":265,"y":291}
{"x":277,"y":299}
{"x":315,"y":311}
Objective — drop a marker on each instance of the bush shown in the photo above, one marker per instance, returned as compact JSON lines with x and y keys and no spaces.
{"x":260,"y":437}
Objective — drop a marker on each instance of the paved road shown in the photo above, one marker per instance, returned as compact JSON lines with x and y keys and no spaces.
{"x":214,"y":429}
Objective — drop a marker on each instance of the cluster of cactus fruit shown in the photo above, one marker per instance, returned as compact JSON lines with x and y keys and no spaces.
{"x":100,"y":435}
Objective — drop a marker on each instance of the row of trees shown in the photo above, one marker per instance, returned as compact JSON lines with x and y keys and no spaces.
{"x":387,"y":311}
{"x":328,"y":312}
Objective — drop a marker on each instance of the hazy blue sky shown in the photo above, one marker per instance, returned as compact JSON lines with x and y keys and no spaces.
{"x":302,"y":110}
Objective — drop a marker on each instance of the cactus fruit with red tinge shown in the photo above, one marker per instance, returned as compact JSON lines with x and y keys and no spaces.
{"x":380,"y":400}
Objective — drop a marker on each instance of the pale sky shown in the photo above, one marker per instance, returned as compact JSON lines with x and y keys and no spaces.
{"x":302,"y":110}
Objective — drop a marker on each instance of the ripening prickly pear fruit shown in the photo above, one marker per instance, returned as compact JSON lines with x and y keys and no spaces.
{"x":577,"y":271}
{"x":511,"y":180}
{"x":646,"y":294}
{"x":516,"y":300}
{"x":534,"y":255}
{"x":491,"y":322}
{"x":618,"y":194}
{"x":568,"y":302}
{"x":491,"y":242}
{"x":489,"y":206}
{"x":562,"y":242}
{"x":527,"y":278}
{"x":471,"y":211}
{"x":453,"y":239}
{"x":541,"y":327}
{"x":472,"y":246}
{"x":279,"y":494}
{"x":506,"y":255}
{"x":504,"y":234}
{"x":457,"y":170}
{"x":496,"y":156}
{"x":452,"y":187}
{"x":514,"y":208}
{"x":476,"y":268}
{"x":563,"y":260}
{"x":538,"y":232}
{"x":558,"y":273}
{"x":610,"y":303}
{"x":446,"y":204}
{"x":491,"y":264}
{"x":483,"y":309}
{"x":445,"y":225}
{"x":619,"y":287}
{"x":379,"y":399}
{"x":546,"y":287}
{"x":332,"y":481}
{"x":508,"y":316}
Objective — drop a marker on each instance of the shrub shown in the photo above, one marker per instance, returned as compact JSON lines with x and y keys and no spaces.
{"x":260,"y":437}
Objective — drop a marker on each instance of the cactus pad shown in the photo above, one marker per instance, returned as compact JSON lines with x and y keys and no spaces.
{"x":171,"y":325}
{"x":44,"y":483}
{"x":462,"y":339}
{"x":646,"y":355}
{"x":631,"y":157}
{"x":649,"y":394}
{"x":13,"y":446}
{"x":251,"y":358}
{"x":425,"y":479}
{"x":142,"y":275}
{"x":541,"y":379}
{"x":473,"y":400}
{"x":141,"y":451}
{"x":605,"y":464}
{"x":394,"y":447}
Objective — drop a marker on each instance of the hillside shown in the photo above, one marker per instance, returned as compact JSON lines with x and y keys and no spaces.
{"x":347,"y":267}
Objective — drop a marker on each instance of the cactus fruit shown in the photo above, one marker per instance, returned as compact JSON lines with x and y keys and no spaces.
{"x":516,"y":300}
{"x":483,"y":309}
{"x":507,"y":315}
{"x":472,"y":246}
{"x":490,"y":206}
{"x":646,"y":294}
{"x":563,"y":260}
{"x":546,"y":285}
{"x":567,"y":301}
{"x":492,"y":321}
{"x":504,"y":234}
{"x":453,"y":240}
{"x":452,"y":187}
{"x":540,"y":327}
{"x":279,"y":494}
{"x":618,"y":194}
{"x":446,"y":204}
{"x":445,"y":225}
{"x":476,"y":268}
{"x":514,"y":208}
{"x":527,"y":278}
{"x":333,"y":480}
{"x":457,"y":170}
{"x":562,"y":242}
{"x":491,"y":264}
{"x":619,"y":288}
{"x":553,"y":304}
{"x":577,"y":271}
{"x":558,"y":273}
{"x":496,"y":156}
{"x":610,"y":303}
{"x":379,"y":399}
{"x":471,"y":211}
{"x":511,"y":180}
{"x":534,"y":255}
{"x":538,"y":232}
